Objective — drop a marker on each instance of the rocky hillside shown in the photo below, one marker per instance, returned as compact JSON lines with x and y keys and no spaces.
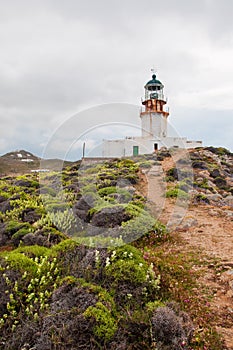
{"x":87,"y":261}
{"x":23,"y":162}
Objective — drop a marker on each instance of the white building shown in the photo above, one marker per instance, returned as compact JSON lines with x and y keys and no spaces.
{"x":153,"y":128}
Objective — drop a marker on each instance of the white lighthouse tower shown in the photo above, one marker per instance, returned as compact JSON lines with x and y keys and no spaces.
{"x":154,"y":117}
{"x":154,"y":133}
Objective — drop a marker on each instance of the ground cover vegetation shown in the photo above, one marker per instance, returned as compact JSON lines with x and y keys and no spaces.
{"x":84,"y":265}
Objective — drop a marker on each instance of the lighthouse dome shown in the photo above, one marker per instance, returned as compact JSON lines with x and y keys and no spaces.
{"x":154,"y":84}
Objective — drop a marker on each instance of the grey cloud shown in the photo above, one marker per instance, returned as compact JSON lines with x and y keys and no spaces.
{"x":59,"y":57}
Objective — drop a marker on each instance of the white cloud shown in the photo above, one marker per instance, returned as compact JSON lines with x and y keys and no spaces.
{"x":60,"y":57}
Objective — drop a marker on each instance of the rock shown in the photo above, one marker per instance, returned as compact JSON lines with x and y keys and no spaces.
{"x":188,"y":223}
{"x":35,"y":239}
{"x":72,"y":187}
{"x":173,"y":172}
{"x":228,"y":201}
{"x":199,"y":180}
{"x":199,"y":165}
{"x":23,"y":183}
{"x":130,"y":189}
{"x":30,"y":215}
{"x":120,"y":198}
{"x":228,"y":213}
{"x":195,"y":156}
{"x":204,"y":173}
{"x":215,"y":173}
{"x":3,"y":236}
{"x":2,"y":199}
{"x":200,"y":198}
{"x":229,"y":293}
{"x":210,"y":184}
{"x":162,"y":154}
{"x":193,"y":192}
{"x":66,"y":296}
{"x":86,"y":202}
{"x":214,"y":197}
{"x":82,"y":207}
{"x":81,"y":214}
{"x":213,"y":212}
{"x":227,"y":278}
{"x":5,"y":206}
{"x":110,"y":217}
{"x":220,"y":182}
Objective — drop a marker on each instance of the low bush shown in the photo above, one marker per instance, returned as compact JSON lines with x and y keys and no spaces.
{"x":176,"y":193}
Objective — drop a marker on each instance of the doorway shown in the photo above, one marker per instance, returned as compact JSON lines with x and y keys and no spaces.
{"x":135,"y":150}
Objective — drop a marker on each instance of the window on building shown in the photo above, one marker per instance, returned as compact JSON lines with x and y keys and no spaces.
{"x":155,"y":146}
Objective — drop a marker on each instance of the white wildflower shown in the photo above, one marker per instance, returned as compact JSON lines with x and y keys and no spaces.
{"x":107,"y":262}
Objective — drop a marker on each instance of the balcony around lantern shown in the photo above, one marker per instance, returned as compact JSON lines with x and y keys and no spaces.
{"x":153,"y":96}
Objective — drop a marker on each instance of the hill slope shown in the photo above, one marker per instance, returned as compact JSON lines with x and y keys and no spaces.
{"x":123,"y":281}
{"x":23,"y":162}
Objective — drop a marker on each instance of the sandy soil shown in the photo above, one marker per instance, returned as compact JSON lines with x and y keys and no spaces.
{"x":205,"y":228}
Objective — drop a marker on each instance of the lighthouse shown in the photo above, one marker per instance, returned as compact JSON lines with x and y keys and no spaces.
{"x":154,"y":128}
{"x":154,"y":116}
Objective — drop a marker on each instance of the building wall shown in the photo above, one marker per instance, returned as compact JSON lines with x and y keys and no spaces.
{"x":153,"y":124}
{"x":125,"y":147}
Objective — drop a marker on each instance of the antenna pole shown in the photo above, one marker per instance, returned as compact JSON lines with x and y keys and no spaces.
{"x":84,"y":146}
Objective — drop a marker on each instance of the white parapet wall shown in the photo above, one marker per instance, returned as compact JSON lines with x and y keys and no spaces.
{"x":139,"y":145}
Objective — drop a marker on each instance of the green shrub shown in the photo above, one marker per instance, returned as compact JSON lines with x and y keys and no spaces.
{"x":204,"y":184}
{"x":127,"y":270}
{"x":46,"y":190}
{"x":134,"y":210}
{"x":172,"y":174}
{"x":64,"y":246}
{"x":19,"y":262}
{"x":106,"y":324}
{"x":126,"y":263}
{"x":137,"y":227}
{"x":33,"y":251}
{"x":106,"y":191}
{"x":28,"y":295}
{"x":4,"y":194}
{"x":14,"y":226}
{"x":145,"y":164}
{"x":176,"y":193}
{"x":55,"y":207}
{"x":20,"y":234}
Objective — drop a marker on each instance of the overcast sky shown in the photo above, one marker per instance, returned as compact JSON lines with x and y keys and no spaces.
{"x":61,"y":57}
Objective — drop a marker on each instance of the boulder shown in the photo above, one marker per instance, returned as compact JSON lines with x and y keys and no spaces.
{"x":215,"y":173}
{"x":220,"y":182}
{"x":30,"y":215}
{"x":82,"y":207}
{"x":3,"y":235}
{"x":229,"y":201}
{"x":86,"y":202}
{"x":214,"y":197}
{"x":23,"y":183}
{"x":198,"y":164}
{"x":2,"y":199}
{"x":110,"y":217}
{"x":5,"y":206}
{"x":68,"y":296}
{"x":188,"y":223}
{"x":35,"y":239}
{"x":44,"y":237}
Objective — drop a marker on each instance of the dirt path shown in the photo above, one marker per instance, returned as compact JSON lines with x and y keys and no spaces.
{"x":206,"y":228}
